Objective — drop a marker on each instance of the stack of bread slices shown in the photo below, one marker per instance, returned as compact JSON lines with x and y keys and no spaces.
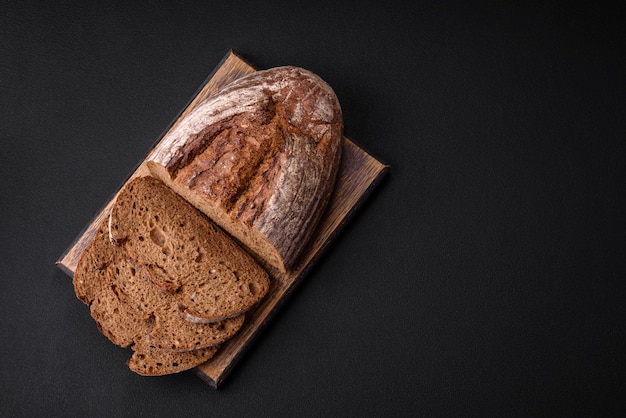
{"x":161,"y":278}
{"x":257,"y":160}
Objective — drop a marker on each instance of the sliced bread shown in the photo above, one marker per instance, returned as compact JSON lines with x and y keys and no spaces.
{"x":150,"y":361}
{"x":100,"y":280}
{"x":183,"y":253}
{"x":118,"y":323}
{"x":169,"y":329}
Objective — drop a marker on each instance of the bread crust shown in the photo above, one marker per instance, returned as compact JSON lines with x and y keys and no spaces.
{"x":265,"y":152}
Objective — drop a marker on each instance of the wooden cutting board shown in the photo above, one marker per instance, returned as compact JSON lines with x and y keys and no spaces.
{"x":358,"y":175}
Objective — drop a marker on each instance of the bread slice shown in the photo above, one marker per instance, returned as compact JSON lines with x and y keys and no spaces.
{"x":260,"y":159}
{"x":150,"y":361}
{"x":184,"y":254}
{"x":168,"y":330}
{"x":118,"y":323}
{"x":102,"y":277}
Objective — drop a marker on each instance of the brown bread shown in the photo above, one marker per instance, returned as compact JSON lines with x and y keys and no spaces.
{"x":118,"y":323}
{"x":182,"y":253}
{"x":150,"y":361}
{"x":101,"y":278}
{"x":260,"y":158}
{"x":169,"y":329}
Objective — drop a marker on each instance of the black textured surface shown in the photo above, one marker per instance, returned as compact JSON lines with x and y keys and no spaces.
{"x":484,"y":276}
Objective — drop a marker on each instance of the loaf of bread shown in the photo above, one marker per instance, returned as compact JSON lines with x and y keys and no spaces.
{"x":98,"y":282}
{"x":260,"y":158}
{"x":183,"y":253}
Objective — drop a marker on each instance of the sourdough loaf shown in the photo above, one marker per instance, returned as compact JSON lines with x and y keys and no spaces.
{"x":98,"y":281}
{"x":183,"y":255}
{"x":260,"y":158}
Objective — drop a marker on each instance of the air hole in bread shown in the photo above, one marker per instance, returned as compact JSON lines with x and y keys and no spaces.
{"x":174,"y":268}
{"x":157,"y":236}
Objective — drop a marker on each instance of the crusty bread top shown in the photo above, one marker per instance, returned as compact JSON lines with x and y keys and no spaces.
{"x":183,"y":253}
{"x":260,"y":158}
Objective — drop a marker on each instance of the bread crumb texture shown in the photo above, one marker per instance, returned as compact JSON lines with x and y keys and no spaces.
{"x":160,"y":278}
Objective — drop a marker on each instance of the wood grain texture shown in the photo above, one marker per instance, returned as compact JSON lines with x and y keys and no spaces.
{"x":359,"y":173}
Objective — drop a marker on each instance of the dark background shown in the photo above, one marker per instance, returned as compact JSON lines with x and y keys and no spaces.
{"x":484,"y":276}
